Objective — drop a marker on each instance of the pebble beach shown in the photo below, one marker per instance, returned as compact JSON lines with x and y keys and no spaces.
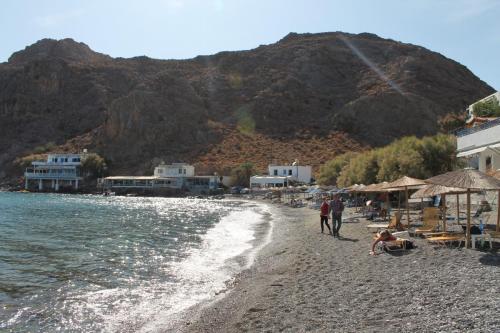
{"x":306,"y":281}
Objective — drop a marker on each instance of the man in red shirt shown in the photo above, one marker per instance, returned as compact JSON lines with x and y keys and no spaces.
{"x":324,"y":210}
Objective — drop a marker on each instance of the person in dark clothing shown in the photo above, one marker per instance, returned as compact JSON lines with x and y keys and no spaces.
{"x":336,"y":207}
{"x":324,"y":209}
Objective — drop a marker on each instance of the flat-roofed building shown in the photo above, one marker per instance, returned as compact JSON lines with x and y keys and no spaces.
{"x":294,"y":172}
{"x":59,"y":171}
{"x":176,"y":176}
{"x":479,"y":143}
{"x":174,"y":170}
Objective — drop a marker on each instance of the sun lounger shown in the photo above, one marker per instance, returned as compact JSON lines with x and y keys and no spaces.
{"x":447,"y":239}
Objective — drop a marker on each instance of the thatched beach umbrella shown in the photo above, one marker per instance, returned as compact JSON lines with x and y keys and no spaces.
{"x":356,"y":188}
{"x":404,"y":183}
{"x":469,"y":179}
{"x":377,"y":188}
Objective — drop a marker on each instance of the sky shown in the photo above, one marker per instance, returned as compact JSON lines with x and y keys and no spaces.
{"x":467,"y":31}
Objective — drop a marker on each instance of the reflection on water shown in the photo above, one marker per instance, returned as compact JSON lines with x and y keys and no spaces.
{"x":87,"y":263}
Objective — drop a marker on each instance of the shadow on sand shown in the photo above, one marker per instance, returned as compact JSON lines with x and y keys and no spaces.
{"x":351,"y":220}
{"x":347,"y":239}
{"x":490,"y":259}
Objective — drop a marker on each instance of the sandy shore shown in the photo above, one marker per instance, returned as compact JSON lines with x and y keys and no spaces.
{"x":305,"y":281}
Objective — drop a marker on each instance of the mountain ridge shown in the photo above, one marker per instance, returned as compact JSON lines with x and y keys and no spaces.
{"x":327,"y":93}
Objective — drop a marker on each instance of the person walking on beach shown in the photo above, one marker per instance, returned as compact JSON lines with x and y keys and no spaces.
{"x":336,"y":207}
{"x":324,"y":210}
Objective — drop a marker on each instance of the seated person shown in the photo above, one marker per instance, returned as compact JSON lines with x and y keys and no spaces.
{"x":373,"y":209}
{"x":383,"y":236}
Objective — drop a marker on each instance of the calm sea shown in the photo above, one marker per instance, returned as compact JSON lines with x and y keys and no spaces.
{"x":118,"y":264}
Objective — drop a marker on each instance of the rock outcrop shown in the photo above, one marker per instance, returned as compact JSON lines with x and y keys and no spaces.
{"x":308,"y":96}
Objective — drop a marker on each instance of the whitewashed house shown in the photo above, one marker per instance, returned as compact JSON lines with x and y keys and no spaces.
{"x":294,"y":172}
{"x":479,"y":144}
{"x":58,"y":171}
{"x":282,"y":175}
{"x":174,"y":170}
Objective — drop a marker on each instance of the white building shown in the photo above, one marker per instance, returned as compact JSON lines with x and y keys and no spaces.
{"x":294,"y":172}
{"x":268,"y":181}
{"x":179,"y":176}
{"x":60,"y":170}
{"x":282,"y":175}
{"x":174,"y":170}
{"x":480,"y":144}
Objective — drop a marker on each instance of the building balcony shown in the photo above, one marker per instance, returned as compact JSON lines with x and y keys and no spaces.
{"x":51,"y":175}
{"x":487,"y":134}
{"x":54,"y":164}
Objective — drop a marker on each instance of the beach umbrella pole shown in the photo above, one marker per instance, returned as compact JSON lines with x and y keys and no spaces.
{"x":407,"y":206}
{"x":467,"y":230}
{"x":399,"y":202}
{"x":388,"y":206}
{"x":444,"y":212}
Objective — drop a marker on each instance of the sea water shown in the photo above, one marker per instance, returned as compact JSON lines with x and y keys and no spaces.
{"x":118,"y":264}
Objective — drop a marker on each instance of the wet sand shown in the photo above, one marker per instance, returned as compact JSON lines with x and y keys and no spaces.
{"x":305,"y":281}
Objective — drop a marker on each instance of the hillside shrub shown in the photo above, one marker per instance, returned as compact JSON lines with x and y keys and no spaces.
{"x":408,"y":156}
{"x":489,"y":108}
{"x":242,"y":173}
{"x":93,"y":166}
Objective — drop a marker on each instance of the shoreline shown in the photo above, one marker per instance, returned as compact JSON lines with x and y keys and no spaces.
{"x":307,"y":281}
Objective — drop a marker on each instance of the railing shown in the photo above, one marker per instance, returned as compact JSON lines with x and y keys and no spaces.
{"x":38,"y":175}
{"x":45,"y":163}
{"x":467,"y":131}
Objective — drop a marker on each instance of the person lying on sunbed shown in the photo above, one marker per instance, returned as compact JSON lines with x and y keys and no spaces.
{"x":383,"y":236}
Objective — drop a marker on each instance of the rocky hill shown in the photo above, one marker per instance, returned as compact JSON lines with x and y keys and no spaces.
{"x":308,"y":96}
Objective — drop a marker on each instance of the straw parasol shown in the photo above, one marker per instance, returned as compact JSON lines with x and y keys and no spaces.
{"x":469,"y":179}
{"x":404,"y":183}
{"x":432,"y":190}
{"x":376,"y":188}
{"x":356,"y":188}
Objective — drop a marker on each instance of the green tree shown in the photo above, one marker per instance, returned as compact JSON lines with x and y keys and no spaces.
{"x":408,"y":156}
{"x":93,"y":166}
{"x":242,"y":173}
{"x":489,"y":108}
{"x":330,"y":171}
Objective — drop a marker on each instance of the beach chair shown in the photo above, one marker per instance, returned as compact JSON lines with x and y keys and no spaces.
{"x":394,"y":224}
{"x":430,"y":221}
{"x":447,"y":239}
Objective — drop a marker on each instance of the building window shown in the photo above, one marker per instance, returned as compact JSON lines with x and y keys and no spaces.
{"x":284,"y":172}
{"x":275,"y":172}
{"x":488,"y":163}
{"x":180,"y":171}
{"x":290,"y":172}
{"x":184,"y":170}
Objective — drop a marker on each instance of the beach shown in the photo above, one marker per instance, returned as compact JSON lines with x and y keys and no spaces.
{"x":305,"y":281}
